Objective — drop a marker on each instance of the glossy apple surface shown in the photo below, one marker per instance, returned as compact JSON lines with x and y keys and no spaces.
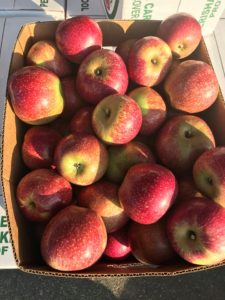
{"x":77,"y":37}
{"x":100,"y":74}
{"x":41,"y":193}
{"x":35,"y":95}
{"x":195,"y":230}
{"x":209,"y":174}
{"x":147,"y":192}
{"x":74,"y":239}
{"x":192,"y":86}
{"x":117,"y":119}
{"x":181,"y":140}
{"x":123,"y":49}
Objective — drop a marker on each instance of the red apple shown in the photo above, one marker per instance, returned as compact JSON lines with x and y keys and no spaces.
{"x":81,"y":121}
{"x":181,"y":140}
{"x":196,"y":231}
{"x":147,"y":192}
{"x":102,"y":197}
{"x":122,"y":157}
{"x":72,"y":101}
{"x":81,"y":158}
{"x":209,"y":174}
{"x":118,"y":247}
{"x":46,"y":54}
{"x":74,"y":239}
{"x":38,"y":147}
{"x":77,"y":37}
{"x":152,"y":106}
{"x":61,"y":125}
{"x":149,"y":61}
{"x":123,"y":49}
{"x":149,"y":243}
{"x":41,"y":193}
{"x":35,"y":95}
{"x":117,"y":119}
{"x":101,"y":73}
{"x":192,"y":86}
{"x":182,"y":32}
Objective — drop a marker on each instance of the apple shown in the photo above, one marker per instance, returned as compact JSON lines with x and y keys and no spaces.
{"x":35,"y":95}
{"x":122,"y":157}
{"x":81,"y":158}
{"x":182,"y":32}
{"x":181,"y":140}
{"x":147,"y":192}
{"x":72,"y":101}
{"x":74,"y":239}
{"x":61,"y":125}
{"x":45,"y":54}
{"x":101,"y":73}
{"x":209,"y":174}
{"x":196,"y":231}
{"x":41,"y":193}
{"x":77,"y":37}
{"x":102,"y":197}
{"x":192,"y":86}
{"x":149,"y":243}
{"x":118,"y":246}
{"x":38,"y":147}
{"x":117,"y":119}
{"x":81,"y":121}
{"x":152,"y":106}
{"x":123,"y":49}
{"x":187,"y":188}
{"x":149,"y":61}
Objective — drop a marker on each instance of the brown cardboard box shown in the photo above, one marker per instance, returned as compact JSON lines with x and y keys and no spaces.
{"x":26,"y":250}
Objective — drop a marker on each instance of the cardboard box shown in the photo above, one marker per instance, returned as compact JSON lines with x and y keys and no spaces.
{"x":46,"y":5}
{"x":207,"y":12}
{"x":93,"y":8}
{"x":9,"y":29}
{"x":24,"y":246}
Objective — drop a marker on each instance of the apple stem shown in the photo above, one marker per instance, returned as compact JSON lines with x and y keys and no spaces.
{"x":209,"y":180}
{"x":107,"y":112}
{"x":98,"y":72}
{"x":192,"y":235}
{"x":188,"y":134}
{"x":154,"y":61}
{"x":78,"y":167}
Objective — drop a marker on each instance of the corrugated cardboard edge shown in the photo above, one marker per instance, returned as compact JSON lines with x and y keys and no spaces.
{"x":30,"y":269}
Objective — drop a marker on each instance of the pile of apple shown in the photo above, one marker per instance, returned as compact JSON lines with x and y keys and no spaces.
{"x":117,"y":167}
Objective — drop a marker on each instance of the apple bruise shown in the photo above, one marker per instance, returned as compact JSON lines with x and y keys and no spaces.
{"x":196,"y":231}
{"x":117,"y":119}
{"x":74,"y":239}
{"x":43,"y":104}
{"x":154,"y":195}
{"x":41,"y":193}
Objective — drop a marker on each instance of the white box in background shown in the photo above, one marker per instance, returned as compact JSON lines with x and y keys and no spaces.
{"x":207,"y":12}
{"x":11,"y":28}
{"x":51,"y":5}
{"x":140,"y":9}
{"x":93,"y":8}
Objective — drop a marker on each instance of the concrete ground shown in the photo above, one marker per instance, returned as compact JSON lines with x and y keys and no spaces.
{"x":205,"y":285}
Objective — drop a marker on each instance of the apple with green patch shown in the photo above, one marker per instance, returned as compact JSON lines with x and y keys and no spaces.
{"x":81,"y":158}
